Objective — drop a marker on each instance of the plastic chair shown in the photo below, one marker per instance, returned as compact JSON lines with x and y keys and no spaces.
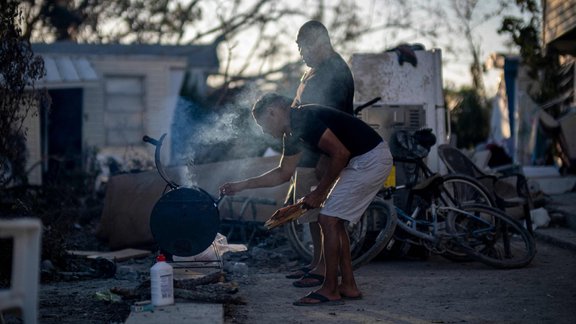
{"x":23,"y":292}
{"x":509,"y":190}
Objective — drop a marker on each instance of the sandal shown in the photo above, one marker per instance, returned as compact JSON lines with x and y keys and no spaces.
{"x":322,"y":300}
{"x":309,"y":280}
{"x":297,"y":274}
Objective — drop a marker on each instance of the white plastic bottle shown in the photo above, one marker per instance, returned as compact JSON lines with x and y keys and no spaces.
{"x":162,"y":282}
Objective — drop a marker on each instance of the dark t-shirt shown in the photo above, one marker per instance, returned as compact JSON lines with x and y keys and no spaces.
{"x":309,"y":122}
{"x":329,"y":84}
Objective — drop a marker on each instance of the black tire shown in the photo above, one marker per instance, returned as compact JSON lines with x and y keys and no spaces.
{"x":490,"y":236}
{"x":367,"y":238}
{"x":458,"y":190}
{"x":381,"y":218}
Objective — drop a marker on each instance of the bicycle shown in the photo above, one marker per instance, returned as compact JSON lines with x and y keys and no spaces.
{"x":409,"y":150}
{"x":482,"y":232}
{"x":376,"y":227}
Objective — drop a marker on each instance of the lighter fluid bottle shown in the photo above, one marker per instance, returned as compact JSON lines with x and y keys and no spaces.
{"x":162,"y":282}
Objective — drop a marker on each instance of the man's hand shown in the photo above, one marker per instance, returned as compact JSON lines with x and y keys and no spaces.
{"x":313,"y":199}
{"x":231,"y":188}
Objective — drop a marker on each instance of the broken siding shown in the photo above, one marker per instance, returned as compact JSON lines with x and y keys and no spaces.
{"x":559,"y":18}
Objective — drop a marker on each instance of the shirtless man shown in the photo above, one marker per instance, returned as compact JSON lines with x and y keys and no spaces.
{"x":328,"y":82}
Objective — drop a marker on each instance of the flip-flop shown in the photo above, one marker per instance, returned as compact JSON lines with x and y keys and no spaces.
{"x":297,"y":274}
{"x":305,"y":281}
{"x":322,"y":300}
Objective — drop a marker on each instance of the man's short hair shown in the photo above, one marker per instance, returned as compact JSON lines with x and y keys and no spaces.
{"x":269,"y":100}
{"x":313,"y":31}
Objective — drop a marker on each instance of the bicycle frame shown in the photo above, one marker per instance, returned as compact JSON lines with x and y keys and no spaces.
{"x":478,"y":232}
{"x":410,"y":223}
{"x":435,"y":233}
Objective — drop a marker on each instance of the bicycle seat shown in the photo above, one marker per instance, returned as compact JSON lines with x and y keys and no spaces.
{"x":429,"y":184}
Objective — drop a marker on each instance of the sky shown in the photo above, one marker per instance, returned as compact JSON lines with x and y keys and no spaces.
{"x":455,"y":67}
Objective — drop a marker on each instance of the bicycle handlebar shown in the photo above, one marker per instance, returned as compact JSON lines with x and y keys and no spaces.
{"x":367,"y":104}
{"x":152,"y":141}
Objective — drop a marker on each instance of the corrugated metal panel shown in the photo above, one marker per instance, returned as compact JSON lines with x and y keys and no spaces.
{"x":66,"y":71}
{"x":198,"y":56}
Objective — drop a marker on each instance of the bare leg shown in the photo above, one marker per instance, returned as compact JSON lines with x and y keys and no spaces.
{"x":332,"y":246}
{"x":316,"y":265}
{"x":348,"y":286}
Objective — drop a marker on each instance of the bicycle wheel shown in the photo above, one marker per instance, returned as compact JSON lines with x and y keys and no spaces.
{"x":458,"y":190}
{"x":300,"y":238}
{"x":368,"y":237}
{"x":491,"y":237}
{"x":381,"y":218}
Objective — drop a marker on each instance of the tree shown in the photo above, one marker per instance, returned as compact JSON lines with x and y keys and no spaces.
{"x":464,"y":14}
{"x":470,"y":114}
{"x":19,"y":69}
{"x":469,"y":118}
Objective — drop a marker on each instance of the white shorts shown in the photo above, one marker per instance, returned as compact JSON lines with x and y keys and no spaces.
{"x":358,"y":184}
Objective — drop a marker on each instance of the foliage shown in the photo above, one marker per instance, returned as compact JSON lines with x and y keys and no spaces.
{"x":470,"y":118}
{"x":19,"y":69}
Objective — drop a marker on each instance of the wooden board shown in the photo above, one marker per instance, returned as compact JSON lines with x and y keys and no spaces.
{"x":119,"y":255}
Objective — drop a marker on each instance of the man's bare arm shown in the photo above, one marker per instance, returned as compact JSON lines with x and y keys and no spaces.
{"x":274,"y":177}
{"x":338,"y":159}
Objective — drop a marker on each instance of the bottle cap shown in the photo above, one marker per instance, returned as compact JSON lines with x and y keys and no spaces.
{"x":161,"y":258}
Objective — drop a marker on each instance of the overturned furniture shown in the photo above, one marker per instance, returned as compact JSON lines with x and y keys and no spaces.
{"x":509,"y":190}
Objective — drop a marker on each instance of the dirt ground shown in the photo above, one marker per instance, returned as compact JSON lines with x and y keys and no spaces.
{"x":431,"y":291}
{"x":395,"y":291}
{"x":68,"y":298}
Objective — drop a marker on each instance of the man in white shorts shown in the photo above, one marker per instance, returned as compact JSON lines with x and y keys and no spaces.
{"x":359,"y":162}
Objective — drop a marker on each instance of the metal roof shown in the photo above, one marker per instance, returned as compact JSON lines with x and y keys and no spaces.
{"x":202,"y":56}
{"x":67,"y":71}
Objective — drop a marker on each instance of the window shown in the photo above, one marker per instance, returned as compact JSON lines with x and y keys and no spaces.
{"x":123,"y":116}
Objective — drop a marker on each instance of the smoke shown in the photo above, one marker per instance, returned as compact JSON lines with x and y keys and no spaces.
{"x":219,"y":128}
{"x":205,"y":135}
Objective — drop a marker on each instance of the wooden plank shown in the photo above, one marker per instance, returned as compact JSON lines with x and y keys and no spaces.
{"x":81,"y":253}
{"x":119,"y":255}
